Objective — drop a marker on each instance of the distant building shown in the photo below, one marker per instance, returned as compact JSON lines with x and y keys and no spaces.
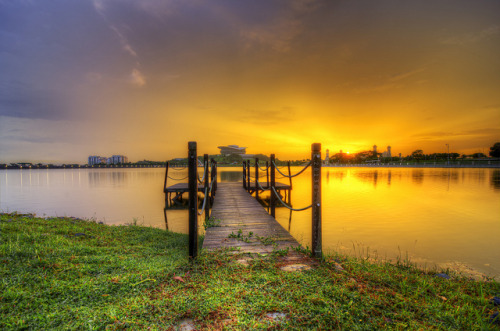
{"x":95,"y":160}
{"x":387,"y":153}
{"x":232,"y":149}
{"x":115,"y":159}
{"x":374,"y":150}
{"x":327,"y":157}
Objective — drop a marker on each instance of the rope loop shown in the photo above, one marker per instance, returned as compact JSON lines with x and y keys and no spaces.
{"x":178,"y":178}
{"x":263,"y":169}
{"x":263,"y":189}
{"x":287,"y":206}
{"x":204,"y":172}
{"x":298,"y":173}
{"x":204,"y":203}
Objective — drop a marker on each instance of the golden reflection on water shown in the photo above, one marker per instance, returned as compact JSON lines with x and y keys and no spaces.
{"x":434,"y":216}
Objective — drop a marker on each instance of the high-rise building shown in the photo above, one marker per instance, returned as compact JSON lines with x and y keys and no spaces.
{"x":95,"y":160}
{"x":327,"y":157}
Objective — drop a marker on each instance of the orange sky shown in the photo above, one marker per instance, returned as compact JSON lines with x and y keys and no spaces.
{"x":143,"y":78}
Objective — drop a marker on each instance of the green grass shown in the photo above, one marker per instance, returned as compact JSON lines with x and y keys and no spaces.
{"x":119,"y":277}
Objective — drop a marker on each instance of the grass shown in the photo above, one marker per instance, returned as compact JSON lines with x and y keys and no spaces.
{"x":73,"y":274}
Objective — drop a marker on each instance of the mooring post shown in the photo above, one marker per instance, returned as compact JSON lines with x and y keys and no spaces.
{"x":248,"y":176}
{"x":316,"y":199}
{"x":207,"y":185}
{"x":272,"y":200}
{"x":256,"y":178}
{"x":193,"y":199}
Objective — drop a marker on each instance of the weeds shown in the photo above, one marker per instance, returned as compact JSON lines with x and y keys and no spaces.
{"x":211,"y":223}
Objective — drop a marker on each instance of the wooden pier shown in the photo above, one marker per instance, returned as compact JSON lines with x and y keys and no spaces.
{"x":244,"y":223}
{"x":238,"y":220}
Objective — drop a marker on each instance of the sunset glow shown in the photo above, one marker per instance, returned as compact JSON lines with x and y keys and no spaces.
{"x":142,"y":78}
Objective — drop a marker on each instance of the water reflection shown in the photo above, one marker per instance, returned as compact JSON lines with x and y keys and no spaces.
{"x":436,"y":216}
{"x":417,"y":175}
{"x":104,"y":178}
{"x":495,"y":179}
{"x":231,"y":175}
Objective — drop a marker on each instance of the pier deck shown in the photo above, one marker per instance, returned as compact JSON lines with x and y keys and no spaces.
{"x":238,"y":210}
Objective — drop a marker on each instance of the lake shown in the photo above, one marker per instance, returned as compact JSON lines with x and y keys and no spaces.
{"x":433,"y":216}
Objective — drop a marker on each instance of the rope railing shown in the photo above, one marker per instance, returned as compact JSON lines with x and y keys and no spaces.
{"x":295,"y":175}
{"x":178,"y":178}
{"x":287,"y":206}
{"x":206,"y":197}
{"x":260,"y":186}
{"x":204,"y":172}
{"x":263,"y":169}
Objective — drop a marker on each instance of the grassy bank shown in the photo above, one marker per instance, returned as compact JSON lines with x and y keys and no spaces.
{"x":67,"y":273}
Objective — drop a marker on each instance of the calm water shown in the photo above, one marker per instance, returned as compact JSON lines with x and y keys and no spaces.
{"x":445,"y":217}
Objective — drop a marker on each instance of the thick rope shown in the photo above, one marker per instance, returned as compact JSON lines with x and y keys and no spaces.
{"x":204,"y":173}
{"x":178,"y":178}
{"x":205,"y":198}
{"x":287,"y":206}
{"x":263,"y":189}
{"x":298,"y":173}
{"x":204,"y":202}
{"x":265,"y":168}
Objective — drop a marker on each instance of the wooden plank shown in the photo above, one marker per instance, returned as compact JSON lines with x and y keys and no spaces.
{"x":237,"y":210}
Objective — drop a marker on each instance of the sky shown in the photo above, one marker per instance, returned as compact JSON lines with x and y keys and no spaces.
{"x":142,"y":78}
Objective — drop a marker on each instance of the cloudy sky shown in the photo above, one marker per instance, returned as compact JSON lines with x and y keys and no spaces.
{"x":142,"y":78}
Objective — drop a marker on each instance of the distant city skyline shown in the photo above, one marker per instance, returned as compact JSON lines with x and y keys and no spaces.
{"x":145,"y":77}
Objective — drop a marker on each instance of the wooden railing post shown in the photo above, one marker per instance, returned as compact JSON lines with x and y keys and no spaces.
{"x":245,"y":175}
{"x":316,"y":199}
{"x":214,"y":189}
{"x":207,"y":185}
{"x":267,"y":173}
{"x":248,"y":176}
{"x":193,"y":199}
{"x":213,"y":176}
{"x":290,"y":180}
{"x":256,"y":178}
{"x":272,"y":201}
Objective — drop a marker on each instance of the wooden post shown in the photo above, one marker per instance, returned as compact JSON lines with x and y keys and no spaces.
{"x":215,"y":178}
{"x":267,"y":173}
{"x":290,"y":189}
{"x":272,"y":201}
{"x":212,"y":179}
{"x":207,"y":185}
{"x":193,"y":199}
{"x":256,"y":178}
{"x":245,"y":175}
{"x":316,"y":200}
{"x":248,"y":176}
